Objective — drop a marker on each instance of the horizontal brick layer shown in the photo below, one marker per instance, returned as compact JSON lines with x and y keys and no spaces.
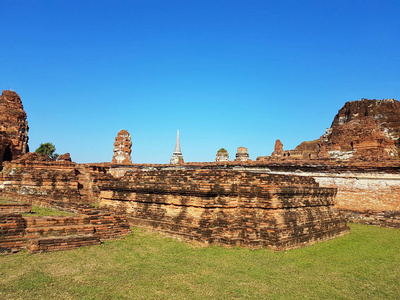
{"x":227,"y":207}
{"x":15,"y":208}
{"x":61,"y":243}
{"x":59,"y":232}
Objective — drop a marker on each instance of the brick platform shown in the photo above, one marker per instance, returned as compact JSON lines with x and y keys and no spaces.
{"x":39,"y":234}
{"x":228,"y":207}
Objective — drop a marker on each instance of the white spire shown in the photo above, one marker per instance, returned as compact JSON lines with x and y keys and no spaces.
{"x":177,"y":145}
{"x":177,"y":156}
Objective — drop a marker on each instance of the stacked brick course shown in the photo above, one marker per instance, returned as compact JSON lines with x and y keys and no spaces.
{"x":15,"y":208}
{"x":228,"y":207}
{"x":365,"y":194}
{"x":39,"y":234}
{"x":12,"y":228}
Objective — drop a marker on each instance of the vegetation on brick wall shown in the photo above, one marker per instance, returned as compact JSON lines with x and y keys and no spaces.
{"x":46,"y":211}
{"x":47,"y":149}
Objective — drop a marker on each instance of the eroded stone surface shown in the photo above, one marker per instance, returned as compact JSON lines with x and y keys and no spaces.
{"x":369,"y":128}
{"x":364,"y":130}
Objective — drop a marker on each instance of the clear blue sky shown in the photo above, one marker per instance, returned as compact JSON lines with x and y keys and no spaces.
{"x":225,"y":73}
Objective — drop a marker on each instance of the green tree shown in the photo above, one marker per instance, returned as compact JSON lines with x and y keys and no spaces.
{"x":47,"y":149}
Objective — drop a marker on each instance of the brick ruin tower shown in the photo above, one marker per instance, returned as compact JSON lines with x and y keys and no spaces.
{"x":177,"y":156}
{"x":122,"y":148}
{"x":242,"y":154}
{"x":13,"y":127}
{"x":278,"y":149}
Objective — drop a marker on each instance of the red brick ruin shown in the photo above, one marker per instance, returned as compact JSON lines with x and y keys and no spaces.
{"x":13,"y":127}
{"x":365,"y":130}
{"x":122,"y":148}
{"x":290,"y":199}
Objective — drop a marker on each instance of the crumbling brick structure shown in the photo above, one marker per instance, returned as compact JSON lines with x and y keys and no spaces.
{"x":364,"y":130}
{"x":43,"y":234}
{"x":291,"y":206}
{"x":13,"y":127}
{"x":122,"y":148}
{"x":211,"y":206}
{"x":227,"y":207}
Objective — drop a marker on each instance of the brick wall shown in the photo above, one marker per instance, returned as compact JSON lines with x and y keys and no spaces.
{"x":59,"y":233}
{"x":15,"y":208}
{"x":12,"y":228}
{"x":370,"y":198}
{"x":227,"y":207}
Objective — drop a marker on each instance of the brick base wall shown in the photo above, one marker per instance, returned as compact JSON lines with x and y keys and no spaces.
{"x":60,"y":232}
{"x":227,"y":207}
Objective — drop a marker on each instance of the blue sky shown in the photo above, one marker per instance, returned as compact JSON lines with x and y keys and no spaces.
{"x":225,"y":73}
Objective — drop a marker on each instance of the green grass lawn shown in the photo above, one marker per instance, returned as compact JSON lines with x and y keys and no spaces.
{"x":39,"y":211}
{"x":364,"y":264}
{"x":46,"y":211}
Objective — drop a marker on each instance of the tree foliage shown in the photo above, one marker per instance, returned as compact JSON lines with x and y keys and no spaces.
{"x":47,"y":149}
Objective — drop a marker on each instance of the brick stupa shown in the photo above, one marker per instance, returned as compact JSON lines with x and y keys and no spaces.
{"x":242,"y":154}
{"x":122,"y":148}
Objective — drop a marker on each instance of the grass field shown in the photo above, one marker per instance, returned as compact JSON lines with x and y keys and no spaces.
{"x":39,"y":211}
{"x":46,"y":211}
{"x":364,"y":264}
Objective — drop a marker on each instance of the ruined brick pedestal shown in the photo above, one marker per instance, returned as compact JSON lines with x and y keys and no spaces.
{"x":228,"y":207}
{"x":43,"y":234}
{"x":242,"y":154}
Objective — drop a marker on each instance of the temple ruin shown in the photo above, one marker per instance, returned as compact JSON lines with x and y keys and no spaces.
{"x":290,"y":199}
{"x":122,"y":148}
{"x":364,"y":130}
{"x":13,"y":127}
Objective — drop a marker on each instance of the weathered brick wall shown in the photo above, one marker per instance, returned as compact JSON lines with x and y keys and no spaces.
{"x":12,"y":227}
{"x":370,"y":198}
{"x":368,"y":194}
{"x":15,"y":208}
{"x":364,"y":194}
{"x":227,"y":207}
{"x":60,"y":232}
{"x":55,"y":180}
